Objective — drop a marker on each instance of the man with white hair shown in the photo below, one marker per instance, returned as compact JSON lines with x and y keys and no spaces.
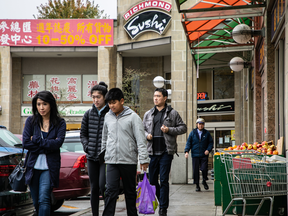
{"x":201,"y":143}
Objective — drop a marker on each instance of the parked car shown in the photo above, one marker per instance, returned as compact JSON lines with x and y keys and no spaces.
{"x":9,"y":142}
{"x":74,"y":179}
{"x":73,"y":143}
{"x":11,"y":202}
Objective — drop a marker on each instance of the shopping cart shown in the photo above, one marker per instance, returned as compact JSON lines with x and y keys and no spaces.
{"x":250,"y":177}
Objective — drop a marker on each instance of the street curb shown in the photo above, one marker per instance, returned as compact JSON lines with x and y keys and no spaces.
{"x":82,"y":212}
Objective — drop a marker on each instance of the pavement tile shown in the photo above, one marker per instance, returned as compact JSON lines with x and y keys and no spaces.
{"x":184,"y":201}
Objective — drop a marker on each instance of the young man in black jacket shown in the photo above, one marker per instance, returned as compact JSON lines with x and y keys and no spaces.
{"x":162,"y":125}
{"x":91,"y":137}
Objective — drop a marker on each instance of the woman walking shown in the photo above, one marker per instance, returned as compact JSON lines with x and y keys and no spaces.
{"x":43,"y":135}
{"x":91,"y":137}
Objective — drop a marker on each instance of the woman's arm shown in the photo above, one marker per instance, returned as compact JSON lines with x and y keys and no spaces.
{"x":54,"y":144}
{"x":28,"y":132}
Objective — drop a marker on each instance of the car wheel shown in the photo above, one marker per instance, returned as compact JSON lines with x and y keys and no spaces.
{"x":57,"y":205}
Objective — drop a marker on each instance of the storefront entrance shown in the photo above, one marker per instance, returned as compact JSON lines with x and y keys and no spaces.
{"x":222,"y":137}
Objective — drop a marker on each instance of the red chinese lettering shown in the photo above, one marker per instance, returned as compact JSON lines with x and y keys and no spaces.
{"x":32,"y":93}
{"x":54,"y":80}
{"x":33,"y":84}
{"x":55,"y":88}
{"x":72,"y":80}
{"x":89,"y":93}
{"x":72,"y":88}
{"x":71,"y":97}
{"x":56,"y":96}
{"x":91,"y":83}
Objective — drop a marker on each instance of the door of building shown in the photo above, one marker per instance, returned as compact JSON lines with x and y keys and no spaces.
{"x":222,"y":137}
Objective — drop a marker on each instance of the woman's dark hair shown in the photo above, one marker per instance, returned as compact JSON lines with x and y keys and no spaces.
{"x":114,"y":94}
{"x":163,"y":91}
{"x":101,"y":87}
{"x":54,"y":114}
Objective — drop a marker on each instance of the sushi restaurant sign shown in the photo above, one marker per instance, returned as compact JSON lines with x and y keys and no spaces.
{"x":68,"y":111}
{"x":147,"y":16}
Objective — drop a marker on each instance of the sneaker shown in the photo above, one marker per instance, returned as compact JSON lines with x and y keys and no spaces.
{"x":205,"y":185}
{"x":162,"y":212}
{"x":198,"y":188}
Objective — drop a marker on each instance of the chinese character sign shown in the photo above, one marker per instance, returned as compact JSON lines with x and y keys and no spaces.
{"x":32,"y":84}
{"x":88,"y":82}
{"x":64,"y":87}
{"x":56,"y":32}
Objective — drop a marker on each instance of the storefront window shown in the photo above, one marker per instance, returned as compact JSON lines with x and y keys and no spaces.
{"x":66,"y":88}
{"x":223,"y":138}
{"x":223,"y":87}
{"x":216,"y":84}
{"x":205,"y":84}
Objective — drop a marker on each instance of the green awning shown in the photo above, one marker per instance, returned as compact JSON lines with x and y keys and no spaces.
{"x":218,"y":38}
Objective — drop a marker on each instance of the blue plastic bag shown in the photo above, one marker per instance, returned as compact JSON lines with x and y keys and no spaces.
{"x":146,"y":201}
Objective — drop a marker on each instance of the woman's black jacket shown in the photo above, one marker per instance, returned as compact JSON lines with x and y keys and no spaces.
{"x":49,"y":146}
{"x":91,"y":132}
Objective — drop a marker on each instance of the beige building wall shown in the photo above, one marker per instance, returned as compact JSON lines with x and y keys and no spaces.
{"x":238,"y":107}
{"x":6,"y":87}
{"x":16,"y":126}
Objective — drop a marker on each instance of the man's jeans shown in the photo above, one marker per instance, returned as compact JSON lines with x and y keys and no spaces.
{"x":161,"y":164}
{"x":40,"y":188}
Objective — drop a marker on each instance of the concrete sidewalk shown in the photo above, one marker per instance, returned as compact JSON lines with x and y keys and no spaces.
{"x":184,"y":200}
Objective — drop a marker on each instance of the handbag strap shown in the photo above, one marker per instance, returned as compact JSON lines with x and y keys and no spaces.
{"x":25,"y":163}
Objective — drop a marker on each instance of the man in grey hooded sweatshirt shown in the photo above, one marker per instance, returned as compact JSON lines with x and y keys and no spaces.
{"x":123,"y":138}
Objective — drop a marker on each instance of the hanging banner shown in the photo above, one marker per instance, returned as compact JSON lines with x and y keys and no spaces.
{"x":56,"y":32}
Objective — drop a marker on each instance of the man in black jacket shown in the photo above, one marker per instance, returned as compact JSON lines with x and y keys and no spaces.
{"x":162,"y":125}
{"x":201,"y":143}
{"x":91,"y":137}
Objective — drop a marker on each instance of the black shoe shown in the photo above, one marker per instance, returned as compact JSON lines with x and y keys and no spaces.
{"x":205,"y":185}
{"x":162,"y":212}
{"x":198,"y":188}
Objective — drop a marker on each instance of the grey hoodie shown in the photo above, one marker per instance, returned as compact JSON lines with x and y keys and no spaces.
{"x":123,"y":138}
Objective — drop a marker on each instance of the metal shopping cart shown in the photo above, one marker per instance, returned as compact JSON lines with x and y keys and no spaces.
{"x":250,"y":176}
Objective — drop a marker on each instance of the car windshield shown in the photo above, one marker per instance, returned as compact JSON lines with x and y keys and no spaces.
{"x":73,"y":144}
{"x":7,"y":139}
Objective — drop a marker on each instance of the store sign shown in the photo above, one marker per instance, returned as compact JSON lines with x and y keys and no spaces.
{"x":202,"y":95}
{"x":66,"y":88}
{"x":277,"y":15}
{"x":147,"y":21}
{"x":141,"y":18}
{"x":215,"y":107}
{"x":56,"y":32}
{"x":162,"y":5}
{"x":67,"y":111}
